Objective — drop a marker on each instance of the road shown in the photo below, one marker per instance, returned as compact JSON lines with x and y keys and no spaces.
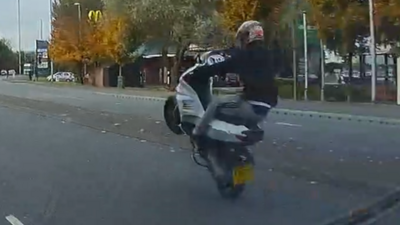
{"x":87,"y":158}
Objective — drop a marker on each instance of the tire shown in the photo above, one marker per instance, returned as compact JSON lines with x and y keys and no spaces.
{"x":229,"y":191}
{"x":172,"y":115}
{"x":224,"y":181}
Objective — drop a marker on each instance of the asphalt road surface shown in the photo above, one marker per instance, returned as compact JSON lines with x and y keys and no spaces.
{"x":76,"y":157}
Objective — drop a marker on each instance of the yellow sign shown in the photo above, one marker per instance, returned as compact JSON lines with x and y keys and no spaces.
{"x":95,"y":15}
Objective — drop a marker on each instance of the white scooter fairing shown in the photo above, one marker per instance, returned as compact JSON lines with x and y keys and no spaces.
{"x":192,"y":108}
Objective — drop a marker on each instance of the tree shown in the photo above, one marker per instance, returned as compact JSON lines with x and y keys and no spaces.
{"x":178,"y":22}
{"x":27,"y":56}
{"x":387,"y":13}
{"x":114,"y":39}
{"x":73,"y":40}
{"x":8,"y":59}
{"x":235,"y":12}
{"x":343,"y":25}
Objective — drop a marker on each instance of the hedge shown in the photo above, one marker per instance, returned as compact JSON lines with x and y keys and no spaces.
{"x":338,"y":93}
{"x":334,"y":93}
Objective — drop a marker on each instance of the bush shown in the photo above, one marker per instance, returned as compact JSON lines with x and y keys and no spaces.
{"x":337,"y":93}
{"x":286,"y":90}
{"x":334,"y":93}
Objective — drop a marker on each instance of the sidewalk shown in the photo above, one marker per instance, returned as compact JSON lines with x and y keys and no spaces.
{"x":358,"y":109}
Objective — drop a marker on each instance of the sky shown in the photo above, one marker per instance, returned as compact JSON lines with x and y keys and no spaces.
{"x":32,"y":11}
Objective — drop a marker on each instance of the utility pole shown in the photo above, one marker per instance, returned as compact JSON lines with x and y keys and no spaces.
{"x":305,"y":56}
{"x":372,"y":50}
{"x":294,"y":58}
{"x":41,"y":29}
{"x":51,"y":31}
{"x":322,"y":71}
{"x":78,"y":5}
{"x":19,"y":37}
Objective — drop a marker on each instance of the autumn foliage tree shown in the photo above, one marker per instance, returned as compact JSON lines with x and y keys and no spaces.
{"x":342,"y":24}
{"x":74,"y":41}
{"x":174,"y":22}
{"x":387,"y":14}
{"x":235,"y":12}
{"x":115,"y":39}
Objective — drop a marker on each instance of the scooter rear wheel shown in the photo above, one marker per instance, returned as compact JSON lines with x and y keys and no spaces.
{"x":230,"y":191}
{"x":223,"y":178}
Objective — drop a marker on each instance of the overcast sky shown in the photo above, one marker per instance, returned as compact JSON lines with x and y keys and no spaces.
{"x":32,"y":11}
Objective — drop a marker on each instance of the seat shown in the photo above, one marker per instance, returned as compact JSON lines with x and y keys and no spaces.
{"x":228,"y":112}
{"x":203,"y":93}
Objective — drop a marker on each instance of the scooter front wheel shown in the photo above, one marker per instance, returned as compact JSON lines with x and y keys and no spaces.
{"x":172,"y":115}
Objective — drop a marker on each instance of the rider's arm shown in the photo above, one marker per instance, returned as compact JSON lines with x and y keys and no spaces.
{"x":230,"y":65}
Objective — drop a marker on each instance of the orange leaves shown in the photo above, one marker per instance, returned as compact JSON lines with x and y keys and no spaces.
{"x":64,"y":41}
{"x":348,"y":21}
{"x":113,"y":37}
{"x":341,"y":23}
{"x":389,"y":9}
{"x":235,"y":12}
{"x":90,"y":42}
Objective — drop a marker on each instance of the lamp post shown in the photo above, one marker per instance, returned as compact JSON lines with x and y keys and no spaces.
{"x":78,"y":5}
{"x":41,"y":30}
{"x":305,"y":56}
{"x":51,"y":31}
{"x":322,"y":70}
{"x":19,"y":37}
{"x":372,"y":50}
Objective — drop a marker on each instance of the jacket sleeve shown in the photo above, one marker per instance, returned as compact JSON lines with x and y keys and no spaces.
{"x":228,"y":66}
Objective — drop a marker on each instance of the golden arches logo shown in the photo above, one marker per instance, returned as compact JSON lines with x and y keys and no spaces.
{"x":95,"y":15}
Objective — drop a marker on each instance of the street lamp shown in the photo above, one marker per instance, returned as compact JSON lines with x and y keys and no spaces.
{"x":19,"y":37}
{"x":51,"y":32}
{"x":79,"y":10}
{"x":305,"y":27}
{"x":80,"y":31}
{"x":372,"y":50}
{"x":79,"y":17}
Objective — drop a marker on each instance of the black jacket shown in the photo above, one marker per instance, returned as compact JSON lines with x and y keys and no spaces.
{"x":256,"y":70}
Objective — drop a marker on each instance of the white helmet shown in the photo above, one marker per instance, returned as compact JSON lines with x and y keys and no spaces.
{"x":248,"y":32}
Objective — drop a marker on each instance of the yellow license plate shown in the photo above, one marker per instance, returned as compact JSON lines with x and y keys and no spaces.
{"x":242,"y":174}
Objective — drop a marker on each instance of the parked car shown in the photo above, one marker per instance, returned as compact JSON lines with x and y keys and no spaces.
{"x":232,"y":80}
{"x":12,"y":72}
{"x":62,"y":77}
{"x":3,"y":72}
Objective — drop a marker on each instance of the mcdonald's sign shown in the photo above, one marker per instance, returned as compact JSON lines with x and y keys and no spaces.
{"x":95,"y":15}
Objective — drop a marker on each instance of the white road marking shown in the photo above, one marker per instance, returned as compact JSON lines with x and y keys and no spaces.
{"x":13,"y":220}
{"x":288,"y":124}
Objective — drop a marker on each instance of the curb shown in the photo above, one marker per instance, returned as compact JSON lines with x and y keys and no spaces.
{"x":289,"y":112}
{"x":371,"y":213}
{"x":139,"y":97}
{"x":338,"y":116}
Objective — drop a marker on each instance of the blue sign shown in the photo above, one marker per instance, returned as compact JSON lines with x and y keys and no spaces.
{"x":42,"y":62}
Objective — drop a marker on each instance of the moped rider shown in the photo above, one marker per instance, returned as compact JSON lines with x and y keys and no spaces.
{"x":254,"y":64}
